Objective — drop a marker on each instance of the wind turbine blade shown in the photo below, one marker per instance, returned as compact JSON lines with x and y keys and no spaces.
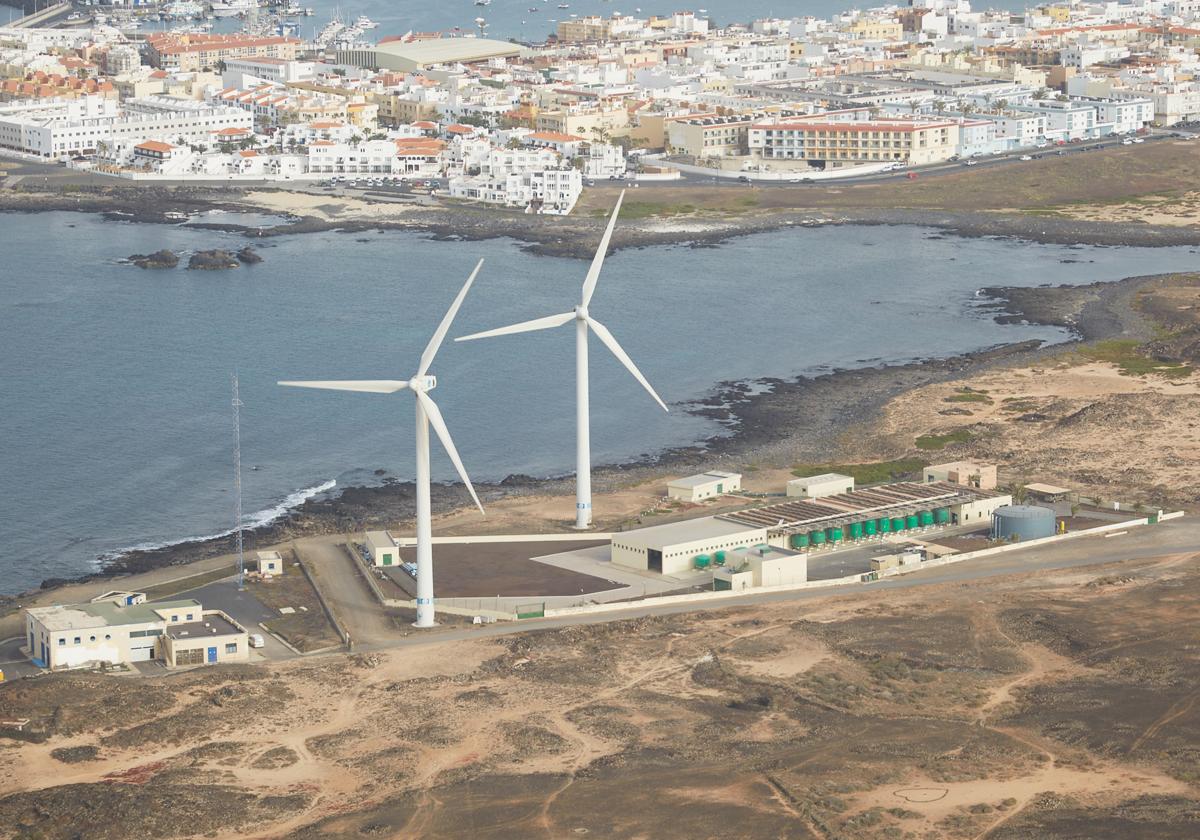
{"x":439,"y":426}
{"x":369,"y":386}
{"x":589,"y":284}
{"x":604,"y":335}
{"x":525,"y":326}
{"x":444,"y":327}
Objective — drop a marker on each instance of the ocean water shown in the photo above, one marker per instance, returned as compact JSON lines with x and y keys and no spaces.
{"x":533,"y":20}
{"x":116,"y":381}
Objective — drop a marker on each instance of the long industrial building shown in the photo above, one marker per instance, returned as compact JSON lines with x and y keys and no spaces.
{"x":805,"y":524}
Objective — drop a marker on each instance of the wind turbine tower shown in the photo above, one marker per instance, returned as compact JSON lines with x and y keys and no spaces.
{"x":237,"y":481}
{"x":584,"y":323}
{"x":427,"y":414}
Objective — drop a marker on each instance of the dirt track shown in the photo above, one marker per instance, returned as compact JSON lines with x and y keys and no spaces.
{"x":948,"y":711}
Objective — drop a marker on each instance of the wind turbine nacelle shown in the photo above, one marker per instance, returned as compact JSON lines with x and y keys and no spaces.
{"x":423,"y":383}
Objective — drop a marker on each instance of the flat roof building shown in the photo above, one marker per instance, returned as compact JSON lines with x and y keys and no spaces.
{"x":967,"y":473}
{"x":695,"y":488}
{"x":415,"y":56}
{"x":816,"y":486}
{"x":103,"y":632}
{"x":382,"y":549}
{"x":270,"y":563}
{"x":215,"y":638}
{"x":673,"y":548}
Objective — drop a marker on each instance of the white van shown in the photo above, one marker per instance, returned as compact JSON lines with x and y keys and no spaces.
{"x":257,"y":641}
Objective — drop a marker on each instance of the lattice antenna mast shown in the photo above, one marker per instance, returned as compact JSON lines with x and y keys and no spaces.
{"x":237,"y":481}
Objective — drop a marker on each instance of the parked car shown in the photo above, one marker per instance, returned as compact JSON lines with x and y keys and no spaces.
{"x":1026,"y":157}
{"x":972,"y":163}
{"x":257,"y":641}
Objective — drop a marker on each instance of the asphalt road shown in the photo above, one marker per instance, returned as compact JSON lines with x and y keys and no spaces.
{"x":947,"y":168}
{"x":354,"y":605}
{"x":45,"y":174}
{"x":1172,"y":537}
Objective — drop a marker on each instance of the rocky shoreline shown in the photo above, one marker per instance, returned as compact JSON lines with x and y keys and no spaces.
{"x":776,"y":421}
{"x":573,"y":236}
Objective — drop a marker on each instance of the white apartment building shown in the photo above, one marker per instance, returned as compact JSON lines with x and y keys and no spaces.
{"x":277,"y":70}
{"x":1070,"y":120}
{"x":1020,"y":129}
{"x":82,"y":126}
{"x":551,"y":191}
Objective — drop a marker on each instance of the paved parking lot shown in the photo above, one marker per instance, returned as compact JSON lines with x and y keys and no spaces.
{"x":245,"y":609}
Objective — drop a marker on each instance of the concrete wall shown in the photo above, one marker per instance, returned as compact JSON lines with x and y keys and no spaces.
{"x":852,"y":579}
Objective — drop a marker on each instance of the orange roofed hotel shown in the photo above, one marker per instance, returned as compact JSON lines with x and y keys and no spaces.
{"x":827,"y":144}
{"x":189,"y":53}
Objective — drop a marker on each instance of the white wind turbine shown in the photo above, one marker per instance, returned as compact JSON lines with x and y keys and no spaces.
{"x":427,"y":414}
{"x":583,"y":322}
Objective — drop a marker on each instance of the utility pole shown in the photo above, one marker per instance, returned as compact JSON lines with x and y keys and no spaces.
{"x":237,"y":482}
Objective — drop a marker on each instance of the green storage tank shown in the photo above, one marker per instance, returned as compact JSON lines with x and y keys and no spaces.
{"x":817,"y":537}
{"x":834,"y":534}
{"x":885,"y":524}
{"x":942,"y":515}
{"x":912,"y":521}
{"x":926,"y":517}
{"x":799,"y":540}
{"x":702,"y":561}
{"x":719,"y":557}
{"x":869,"y":527}
{"x":897,"y":523}
{"x":856,"y":530}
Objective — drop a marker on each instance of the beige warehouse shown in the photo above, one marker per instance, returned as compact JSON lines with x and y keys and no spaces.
{"x":416,"y":56}
{"x":671,"y":549}
{"x":696,"y":488}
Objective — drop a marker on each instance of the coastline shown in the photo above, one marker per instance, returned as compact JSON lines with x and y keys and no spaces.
{"x":768,"y":421}
{"x":771,"y":421}
{"x":569,"y":236}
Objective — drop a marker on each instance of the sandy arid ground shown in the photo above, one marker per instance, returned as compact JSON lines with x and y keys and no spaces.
{"x":1053,"y":704}
{"x":1131,"y":438}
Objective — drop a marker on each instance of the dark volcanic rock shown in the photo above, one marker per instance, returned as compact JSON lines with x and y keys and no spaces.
{"x":212,"y":260}
{"x":249,"y":256}
{"x":159,"y":259}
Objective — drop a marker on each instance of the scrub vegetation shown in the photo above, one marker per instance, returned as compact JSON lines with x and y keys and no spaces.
{"x":1130,"y":358}
{"x":863,"y":474}
{"x":941,"y":441}
{"x":1046,"y":704}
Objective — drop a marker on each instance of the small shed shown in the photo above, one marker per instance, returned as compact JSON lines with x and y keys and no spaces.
{"x":382,"y":549}
{"x":696,"y":488}
{"x":817,"y":486}
{"x":1048,"y":492}
{"x":270,"y":563}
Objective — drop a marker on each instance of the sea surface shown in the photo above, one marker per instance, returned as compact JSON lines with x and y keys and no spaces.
{"x":532,"y":20}
{"x":115,"y":392}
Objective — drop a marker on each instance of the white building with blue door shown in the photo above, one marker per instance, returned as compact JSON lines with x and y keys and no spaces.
{"x":121,"y":628}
